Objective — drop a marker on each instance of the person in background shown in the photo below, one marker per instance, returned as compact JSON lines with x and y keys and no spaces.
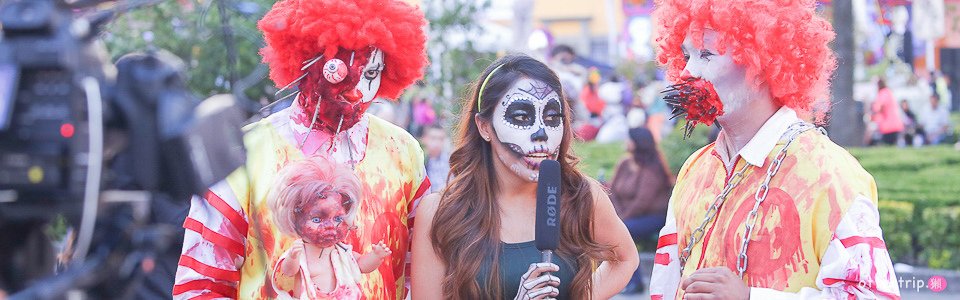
{"x":657,"y":110}
{"x":886,"y":115}
{"x":912,"y":133}
{"x":936,"y":123}
{"x":572,"y":76}
{"x":434,"y":139}
{"x":590,"y":94}
{"x":640,"y":191}
{"x":614,"y":128}
{"x":423,"y":114}
{"x":941,"y":86}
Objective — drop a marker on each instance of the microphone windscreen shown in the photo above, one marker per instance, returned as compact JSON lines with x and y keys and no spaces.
{"x":548,"y":206}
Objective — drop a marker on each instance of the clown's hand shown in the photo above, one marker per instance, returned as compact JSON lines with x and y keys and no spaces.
{"x":714,"y":283}
{"x":535,"y":285}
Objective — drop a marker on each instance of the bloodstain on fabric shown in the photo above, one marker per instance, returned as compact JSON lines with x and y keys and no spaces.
{"x":774,"y":243}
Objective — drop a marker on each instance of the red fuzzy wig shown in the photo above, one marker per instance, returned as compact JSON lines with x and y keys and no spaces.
{"x":782,"y":43}
{"x":298,"y":30}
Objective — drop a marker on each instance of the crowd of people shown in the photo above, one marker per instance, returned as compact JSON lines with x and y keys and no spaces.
{"x":915,"y":113}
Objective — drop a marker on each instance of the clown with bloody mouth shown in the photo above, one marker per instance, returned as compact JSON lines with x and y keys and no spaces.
{"x":773,"y":209}
{"x":333,"y":57}
{"x":529,"y":122}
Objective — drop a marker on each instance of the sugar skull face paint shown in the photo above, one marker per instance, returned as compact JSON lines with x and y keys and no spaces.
{"x":323,"y":222}
{"x":528,"y":123}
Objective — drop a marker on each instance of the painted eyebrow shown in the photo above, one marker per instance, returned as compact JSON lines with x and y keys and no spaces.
{"x":520,"y":95}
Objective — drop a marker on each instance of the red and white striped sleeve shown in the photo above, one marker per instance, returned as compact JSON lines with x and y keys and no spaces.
{"x":422,"y":190}
{"x":856,"y":264}
{"x":666,"y":262}
{"x":213,"y":246}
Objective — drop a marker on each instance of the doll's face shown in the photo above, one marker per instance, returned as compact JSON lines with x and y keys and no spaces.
{"x":529,"y":126}
{"x":323,"y":221}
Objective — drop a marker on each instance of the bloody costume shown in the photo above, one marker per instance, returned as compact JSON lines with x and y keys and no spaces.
{"x":339,"y":55}
{"x":791,"y":213}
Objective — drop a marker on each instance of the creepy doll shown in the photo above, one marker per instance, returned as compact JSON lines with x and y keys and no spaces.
{"x":316,"y":201}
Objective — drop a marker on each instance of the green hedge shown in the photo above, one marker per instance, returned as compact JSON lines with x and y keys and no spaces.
{"x":919,"y":191}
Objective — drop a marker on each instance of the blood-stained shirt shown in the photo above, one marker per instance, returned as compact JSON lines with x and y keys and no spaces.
{"x":817,"y":234}
{"x":231,"y":244}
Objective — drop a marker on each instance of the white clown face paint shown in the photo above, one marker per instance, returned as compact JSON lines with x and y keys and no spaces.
{"x":528,"y":123}
{"x":728,"y":78}
{"x":369,"y":83}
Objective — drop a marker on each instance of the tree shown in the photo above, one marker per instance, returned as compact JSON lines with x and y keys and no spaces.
{"x":845,"y":124}
{"x":195,"y":31}
{"x":454,"y":58}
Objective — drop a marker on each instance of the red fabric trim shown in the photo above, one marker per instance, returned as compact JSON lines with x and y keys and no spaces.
{"x":656,"y":297}
{"x":214,"y":237}
{"x":667,"y":240}
{"x":832,"y":281}
{"x":661,"y":259}
{"x":209,"y":271}
{"x":235,"y":218}
{"x":424,"y":187}
{"x":206,"y":284}
{"x":874,"y":242}
{"x":206,"y":296}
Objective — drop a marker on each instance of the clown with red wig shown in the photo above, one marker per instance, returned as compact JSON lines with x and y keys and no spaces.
{"x":333,"y":58}
{"x":773,"y":209}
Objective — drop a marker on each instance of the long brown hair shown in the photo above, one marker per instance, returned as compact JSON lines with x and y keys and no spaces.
{"x":466,"y":227}
{"x":647,"y":154}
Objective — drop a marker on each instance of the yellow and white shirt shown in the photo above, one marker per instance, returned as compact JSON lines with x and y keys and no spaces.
{"x":817,"y":234}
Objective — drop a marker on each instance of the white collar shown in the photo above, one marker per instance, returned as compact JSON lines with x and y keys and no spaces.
{"x":755,"y":152}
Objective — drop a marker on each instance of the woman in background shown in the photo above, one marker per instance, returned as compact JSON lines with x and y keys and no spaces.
{"x":640,"y":191}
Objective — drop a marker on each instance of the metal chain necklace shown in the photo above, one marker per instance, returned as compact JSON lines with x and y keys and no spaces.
{"x":761,"y":194}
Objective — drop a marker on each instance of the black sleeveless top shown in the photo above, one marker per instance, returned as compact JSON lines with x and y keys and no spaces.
{"x":515,"y":260}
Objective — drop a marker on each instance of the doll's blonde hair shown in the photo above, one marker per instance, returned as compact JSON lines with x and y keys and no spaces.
{"x":308,"y":180}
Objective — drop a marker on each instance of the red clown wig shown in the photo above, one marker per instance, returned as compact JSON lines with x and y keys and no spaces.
{"x":298,"y":30}
{"x":781,"y":43}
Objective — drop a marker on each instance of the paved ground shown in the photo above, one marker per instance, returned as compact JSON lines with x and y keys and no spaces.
{"x":908,"y":291}
{"x":905,"y":295}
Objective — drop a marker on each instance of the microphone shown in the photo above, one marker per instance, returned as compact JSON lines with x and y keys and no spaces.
{"x":547,"y":232}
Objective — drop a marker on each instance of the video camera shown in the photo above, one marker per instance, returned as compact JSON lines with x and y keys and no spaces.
{"x":79,"y":135}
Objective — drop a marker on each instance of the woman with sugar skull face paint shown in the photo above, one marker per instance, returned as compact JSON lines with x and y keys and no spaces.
{"x":528,"y":122}
{"x":475,"y":238}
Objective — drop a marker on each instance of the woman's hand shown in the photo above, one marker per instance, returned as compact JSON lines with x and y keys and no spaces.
{"x":535,"y":285}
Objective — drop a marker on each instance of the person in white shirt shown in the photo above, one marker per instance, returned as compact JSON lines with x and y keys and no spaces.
{"x":773,"y":209}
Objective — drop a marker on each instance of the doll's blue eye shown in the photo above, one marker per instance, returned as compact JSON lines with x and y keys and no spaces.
{"x":315,"y":220}
{"x":338,"y":219}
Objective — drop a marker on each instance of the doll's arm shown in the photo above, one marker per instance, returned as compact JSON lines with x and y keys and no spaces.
{"x":371,"y":260}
